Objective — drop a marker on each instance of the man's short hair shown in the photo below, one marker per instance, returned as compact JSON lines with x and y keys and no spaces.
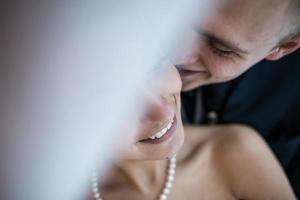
{"x":295,"y":17}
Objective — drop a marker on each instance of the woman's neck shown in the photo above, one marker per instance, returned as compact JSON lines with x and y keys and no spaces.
{"x":143,"y":176}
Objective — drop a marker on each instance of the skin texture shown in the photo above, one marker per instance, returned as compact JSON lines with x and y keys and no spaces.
{"x":233,"y":162}
{"x":215,"y":162}
{"x":235,"y":35}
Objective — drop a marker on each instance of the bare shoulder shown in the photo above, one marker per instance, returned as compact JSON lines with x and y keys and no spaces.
{"x":248,"y":165}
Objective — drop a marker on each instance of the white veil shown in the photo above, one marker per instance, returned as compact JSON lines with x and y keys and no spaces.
{"x":70,"y":73}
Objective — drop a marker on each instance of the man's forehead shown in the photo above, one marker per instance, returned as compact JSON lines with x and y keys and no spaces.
{"x":247,"y":20}
{"x":251,"y":5}
{"x":252,"y":10}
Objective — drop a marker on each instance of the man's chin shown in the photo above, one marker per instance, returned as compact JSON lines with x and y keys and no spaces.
{"x":192,"y":85}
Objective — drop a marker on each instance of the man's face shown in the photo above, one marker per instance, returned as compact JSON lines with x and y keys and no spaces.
{"x":234,"y":36}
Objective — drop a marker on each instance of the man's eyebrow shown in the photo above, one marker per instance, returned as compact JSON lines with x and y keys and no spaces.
{"x":223,"y":42}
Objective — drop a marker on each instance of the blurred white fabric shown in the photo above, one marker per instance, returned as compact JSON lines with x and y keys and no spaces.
{"x":71,"y":73}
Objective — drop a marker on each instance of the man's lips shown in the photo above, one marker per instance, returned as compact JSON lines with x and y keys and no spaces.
{"x":187,"y":72}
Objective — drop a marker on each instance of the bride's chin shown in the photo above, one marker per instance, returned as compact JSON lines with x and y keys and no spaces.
{"x":158,"y":152}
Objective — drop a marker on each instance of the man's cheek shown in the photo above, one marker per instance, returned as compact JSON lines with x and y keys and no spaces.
{"x":223,"y":73}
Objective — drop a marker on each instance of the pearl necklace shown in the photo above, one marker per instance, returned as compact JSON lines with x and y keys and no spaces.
{"x":166,"y":189}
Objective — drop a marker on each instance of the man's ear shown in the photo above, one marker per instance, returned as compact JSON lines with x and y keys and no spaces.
{"x":285,"y":49}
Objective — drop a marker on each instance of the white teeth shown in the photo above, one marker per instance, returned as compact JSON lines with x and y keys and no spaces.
{"x":159,"y":135}
{"x":162,"y":132}
{"x":152,"y":137}
{"x":169,"y":126}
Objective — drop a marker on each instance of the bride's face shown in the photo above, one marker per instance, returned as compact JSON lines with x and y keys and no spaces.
{"x":160,"y":130}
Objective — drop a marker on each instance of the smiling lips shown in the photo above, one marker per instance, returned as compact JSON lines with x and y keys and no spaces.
{"x":164,"y":134}
{"x":163,"y":131}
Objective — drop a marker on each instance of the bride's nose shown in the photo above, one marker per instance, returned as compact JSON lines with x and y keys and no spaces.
{"x":170,"y":82}
{"x":162,"y":104}
{"x":159,"y":111}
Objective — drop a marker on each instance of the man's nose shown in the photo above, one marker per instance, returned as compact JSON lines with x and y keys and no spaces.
{"x":187,"y":56}
{"x":187,"y":51}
